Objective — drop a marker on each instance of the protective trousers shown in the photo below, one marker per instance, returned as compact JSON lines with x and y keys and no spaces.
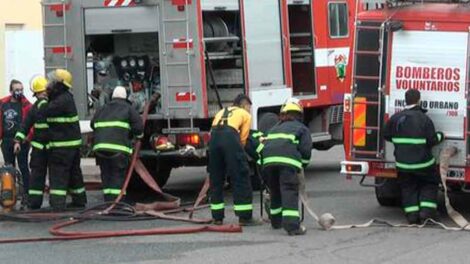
{"x":419,"y":194}
{"x":38,"y":165}
{"x":113,"y":173}
{"x":227,"y":158}
{"x":65,"y":176}
{"x":284,"y":187}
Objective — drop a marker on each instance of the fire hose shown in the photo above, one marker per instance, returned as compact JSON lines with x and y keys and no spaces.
{"x":327,"y":221}
{"x":121,"y":211}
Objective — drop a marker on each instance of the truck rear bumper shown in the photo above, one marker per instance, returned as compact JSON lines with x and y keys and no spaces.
{"x":355,"y":167}
{"x":192,"y":157}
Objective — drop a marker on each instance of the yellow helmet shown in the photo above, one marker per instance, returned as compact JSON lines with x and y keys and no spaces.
{"x":38,"y":84}
{"x":291,"y":106}
{"x":61,"y":75}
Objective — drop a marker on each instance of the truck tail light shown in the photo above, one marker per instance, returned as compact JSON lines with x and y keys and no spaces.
{"x":189,"y":139}
{"x":162,"y":143}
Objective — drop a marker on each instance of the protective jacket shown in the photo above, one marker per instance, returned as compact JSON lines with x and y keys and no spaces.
{"x":63,"y":121}
{"x":35,"y":120}
{"x":115,"y":124}
{"x":253,"y":145}
{"x":413,"y":134}
{"x":287,"y":143}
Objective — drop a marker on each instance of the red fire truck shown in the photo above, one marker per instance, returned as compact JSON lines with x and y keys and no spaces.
{"x":199,"y":54}
{"x":400,"y":46}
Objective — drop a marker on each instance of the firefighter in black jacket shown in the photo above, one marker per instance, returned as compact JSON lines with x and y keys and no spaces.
{"x":287,"y":149}
{"x":227,"y":156}
{"x":39,"y":155}
{"x":114,"y":126}
{"x":413,"y":135}
{"x":65,"y":140}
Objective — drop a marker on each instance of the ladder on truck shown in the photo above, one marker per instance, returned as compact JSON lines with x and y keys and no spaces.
{"x":170,"y":88}
{"x":60,"y":8}
{"x":362,"y":100}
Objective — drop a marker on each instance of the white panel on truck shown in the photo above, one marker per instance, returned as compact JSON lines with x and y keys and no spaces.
{"x":435,"y":64}
{"x":139,"y":19}
{"x":263,"y":43}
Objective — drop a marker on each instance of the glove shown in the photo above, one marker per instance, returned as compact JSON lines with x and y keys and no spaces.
{"x":16,"y":148}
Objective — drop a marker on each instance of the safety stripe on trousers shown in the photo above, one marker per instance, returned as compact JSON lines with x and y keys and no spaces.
{"x":70,"y":143}
{"x":58,"y":192}
{"x":108,"y":124}
{"x":284,"y":160}
{"x":112,"y":191}
{"x":417,"y":165}
{"x":107,"y":146}
{"x":427,"y":204}
{"x":411,"y":209}
{"x":409,"y":141}
{"x":290,"y":213}
{"x":78,"y":190}
{"x":35,"y":192}
{"x":243,"y":207}
{"x":71,"y":119}
{"x":41,"y":125}
{"x":219,"y":206}
{"x":276,"y":211}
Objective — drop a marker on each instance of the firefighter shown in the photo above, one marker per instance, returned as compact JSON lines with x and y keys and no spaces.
{"x":412,"y":133}
{"x":287,"y":149}
{"x":65,"y":175}
{"x":39,"y":155}
{"x":229,"y":134}
{"x":114,"y":125}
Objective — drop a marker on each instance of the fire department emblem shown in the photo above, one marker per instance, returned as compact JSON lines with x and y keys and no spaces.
{"x":340,"y":65}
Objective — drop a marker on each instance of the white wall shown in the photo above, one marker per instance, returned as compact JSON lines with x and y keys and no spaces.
{"x":23,"y":57}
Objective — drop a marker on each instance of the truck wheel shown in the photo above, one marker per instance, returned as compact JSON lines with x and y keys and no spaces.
{"x":326,"y":145}
{"x":160,"y":171}
{"x":388,"y":194}
{"x":266,"y":121}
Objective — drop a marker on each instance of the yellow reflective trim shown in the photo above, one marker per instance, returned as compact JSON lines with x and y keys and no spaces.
{"x":71,"y":143}
{"x":218,"y":206}
{"x":112,"y":191}
{"x":283,"y":136}
{"x":416,"y":166}
{"x":72,"y":119}
{"x":260,"y":148}
{"x":276,"y":211}
{"x":119,"y":124}
{"x":20,"y":135}
{"x":37,"y":145}
{"x":284,"y":160}
{"x":58,"y":192}
{"x":290,"y":213}
{"x":243,"y":207}
{"x":108,"y":146}
{"x":41,"y":103}
{"x":41,"y":125}
{"x":428,"y":204}
{"x":409,"y":141}
{"x":78,"y":190}
{"x":411,"y":209}
{"x":35,"y":192}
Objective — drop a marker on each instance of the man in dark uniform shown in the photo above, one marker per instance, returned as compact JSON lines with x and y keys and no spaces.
{"x":413,"y":135}
{"x":230,"y":130}
{"x":39,"y":155}
{"x":65,"y":174}
{"x":287,"y":149}
{"x":114,"y":126}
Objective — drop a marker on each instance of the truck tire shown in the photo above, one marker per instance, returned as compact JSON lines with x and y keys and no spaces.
{"x":388,"y":193}
{"x":326,"y":145}
{"x":266,"y":121}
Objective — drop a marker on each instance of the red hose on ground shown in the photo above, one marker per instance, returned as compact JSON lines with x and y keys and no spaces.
{"x":172,"y":205}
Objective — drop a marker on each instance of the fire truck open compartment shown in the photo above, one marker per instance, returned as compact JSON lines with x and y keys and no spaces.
{"x":223,"y":56}
{"x":301,"y":41}
{"x":129,"y":59}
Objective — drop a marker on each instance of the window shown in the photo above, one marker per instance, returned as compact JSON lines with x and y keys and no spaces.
{"x":338,"y":18}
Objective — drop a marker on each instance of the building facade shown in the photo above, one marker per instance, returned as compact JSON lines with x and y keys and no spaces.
{"x":21,"y":42}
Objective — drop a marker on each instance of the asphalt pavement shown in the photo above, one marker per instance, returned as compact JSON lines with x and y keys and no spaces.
{"x":329,"y":192}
